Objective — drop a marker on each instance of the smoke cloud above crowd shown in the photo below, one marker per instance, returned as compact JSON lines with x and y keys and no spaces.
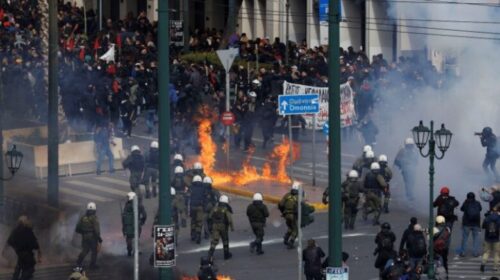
{"x":466,"y":102}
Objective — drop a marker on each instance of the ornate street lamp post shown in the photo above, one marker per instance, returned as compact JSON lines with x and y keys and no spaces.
{"x":422,"y":135}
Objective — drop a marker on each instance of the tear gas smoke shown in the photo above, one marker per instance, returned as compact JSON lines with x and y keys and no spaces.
{"x":468,"y":103}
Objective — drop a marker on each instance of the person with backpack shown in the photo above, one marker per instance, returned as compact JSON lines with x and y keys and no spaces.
{"x":128,"y":227}
{"x":471,"y":222}
{"x":288,"y":207}
{"x":385,"y":246}
{"x":404,"y":238}
{"x":491,"y":245}
{"x":417,"y":247}
{"x":442,"y":241}
{"x":446,"y":205}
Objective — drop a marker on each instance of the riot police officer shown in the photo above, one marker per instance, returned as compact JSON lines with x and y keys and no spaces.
{"x":257,"y":214}
{"x":406,"y":161}
{"x":88,"y":227}
{"x":211,"y":198}
{"x":386,"y":172}
{"x":135,"y":163}
{"x":221,"y":217}
{"x":289,"y":210}
{"x":374,"y":185}
{"x":152,"y":167}
{"x":128,"y":227}
{"x":351,"y":189}
{"x":179,"y":184}
{"x":197,"y":204}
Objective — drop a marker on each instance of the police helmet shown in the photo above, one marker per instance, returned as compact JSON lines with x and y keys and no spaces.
{"x":256,"y":82}
{"x":154,"y":145}
{"x":252,"y":94}
{"x":178,"y":170}
{"x":374,"y":166}
{"x":440,"y":220}
{"x":386,"y":226}
{"x":135,"y":148}
{"x":178,"y":157}
{"x":353,"y":174}
{"x":91,"y":206}
{"x":172,"y":191}
{"x":131,"y":195}
{"x":370,"y":154}
{"x":224,"y":199}
{"x":382,"y":158}
{"x":409,"y":141}
{"x":207,"y":180}
{"x":257,"y":197}
{"x":367,"y":148}
{"x":295,"y":186}
{"x":197,"y":179}
{"x":197,"y":166}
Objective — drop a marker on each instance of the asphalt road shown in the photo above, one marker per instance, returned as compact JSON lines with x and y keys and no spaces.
{"x":277,"y":262}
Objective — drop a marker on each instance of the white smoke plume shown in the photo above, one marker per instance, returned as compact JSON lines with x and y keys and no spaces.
{"x":470,"y":102}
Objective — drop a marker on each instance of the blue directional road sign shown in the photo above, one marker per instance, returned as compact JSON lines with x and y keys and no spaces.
{"x":298,"y":104}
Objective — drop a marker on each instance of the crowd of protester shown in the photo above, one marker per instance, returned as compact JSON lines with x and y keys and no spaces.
{"x":96,"y":92}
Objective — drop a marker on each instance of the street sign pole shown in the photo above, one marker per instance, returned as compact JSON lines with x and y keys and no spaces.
{"x":227,"y":57}
{"x":334,"y":207}
{"x":228,"y":128}
{"x":290,"y":140}
{"x":164,"y":121}
{"x":314,"y":151}
{"x":299,"y":231}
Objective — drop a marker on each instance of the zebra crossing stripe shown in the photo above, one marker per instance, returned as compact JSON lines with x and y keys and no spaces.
{"x":113,"y":181}
{"x":97,"y":188}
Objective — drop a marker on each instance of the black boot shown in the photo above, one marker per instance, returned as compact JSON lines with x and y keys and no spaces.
{"x":183,"y":223}
{"x":198,"y":237}
{"x":211,"y":252}
{"x":386,"y":208}
{"x":155,"y":191}
{"x":259,"y":249}
{"x":285,"y":239}
{"x":252,"y":247}
{"x":291,"y":244}
{"x":227,"y":254}
{"x":148,"y":194}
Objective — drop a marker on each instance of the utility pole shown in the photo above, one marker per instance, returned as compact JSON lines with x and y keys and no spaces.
{"x":165,"y":207}
{"x":53,"y":125}
{"x":334,"y":207}
{"x":100,"y":15}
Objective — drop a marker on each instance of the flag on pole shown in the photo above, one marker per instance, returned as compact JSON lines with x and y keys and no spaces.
{"x":109,"y":55}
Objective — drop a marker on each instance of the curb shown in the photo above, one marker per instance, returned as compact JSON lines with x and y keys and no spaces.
{"x":319,"y":207}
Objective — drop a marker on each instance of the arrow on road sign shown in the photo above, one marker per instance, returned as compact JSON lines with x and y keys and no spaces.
{"x":284,"y":104}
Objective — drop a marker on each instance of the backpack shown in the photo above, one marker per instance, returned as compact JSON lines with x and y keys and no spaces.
{"x":386,"y":243}
{"x":492,"y":230}
{"x":420,"y":248}
{"x":473,"y":212}
{"x":441,"y":241}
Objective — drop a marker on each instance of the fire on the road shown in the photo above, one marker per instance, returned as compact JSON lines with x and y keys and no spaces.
{"x":279,"y":159}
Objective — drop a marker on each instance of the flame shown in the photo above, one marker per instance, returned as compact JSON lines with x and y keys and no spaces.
{"x":279,"y":159}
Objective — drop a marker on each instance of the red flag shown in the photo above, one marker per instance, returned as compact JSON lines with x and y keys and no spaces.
{"x":82,"y":54}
